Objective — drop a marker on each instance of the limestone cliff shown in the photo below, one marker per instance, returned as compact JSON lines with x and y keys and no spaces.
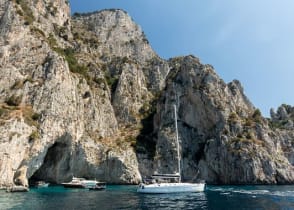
{"x":87,"y":96}
{"x":222,"y":134}
{"x":56,"y":120}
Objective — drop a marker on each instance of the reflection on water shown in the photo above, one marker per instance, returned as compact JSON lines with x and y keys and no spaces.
{"x":174,"y":201}
{"x":125,"y":197}
{"x":251,"y":197}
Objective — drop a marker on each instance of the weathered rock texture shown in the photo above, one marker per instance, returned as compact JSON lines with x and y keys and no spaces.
{"x":221,"y":132}
{"x":87,"y":96}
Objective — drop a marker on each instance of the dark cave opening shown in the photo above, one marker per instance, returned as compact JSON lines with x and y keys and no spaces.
{"x":56,"y":166}
{"x":145,"y":141}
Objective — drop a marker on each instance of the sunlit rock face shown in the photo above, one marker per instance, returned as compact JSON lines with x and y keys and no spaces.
{"x":224,"y":139}
{"x":87,"y":96}
{"x":56,"y":120}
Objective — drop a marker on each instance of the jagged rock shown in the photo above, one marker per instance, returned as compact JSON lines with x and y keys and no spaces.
{"x":132,"y":69}
{"x":283,"y":118}
{"x":118,"y":34}
{"x":282,"y":113}
{"x":14,"y":135}
{"x":222,"y":135}
{"x":273,"y":114}
{"x":16,"y":188}
{"x":56,"y":106}
{"x":87,"y":96}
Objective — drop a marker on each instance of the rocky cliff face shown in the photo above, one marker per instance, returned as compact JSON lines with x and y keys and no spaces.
{"x":87,"y":96}
{"x":57,"y":121}
{"x":222,"y":134}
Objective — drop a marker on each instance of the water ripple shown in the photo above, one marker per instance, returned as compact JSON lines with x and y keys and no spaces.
{"x":125,"y":197}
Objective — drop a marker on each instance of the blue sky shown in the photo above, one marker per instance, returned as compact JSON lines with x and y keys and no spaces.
{"x":252,"y":41}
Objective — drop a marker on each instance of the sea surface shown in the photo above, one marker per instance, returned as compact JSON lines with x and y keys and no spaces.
{"x":125,"y":197}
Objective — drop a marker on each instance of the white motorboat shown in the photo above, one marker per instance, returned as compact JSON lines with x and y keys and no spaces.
{"x":166,"y":186}
{"x":80,"y":183}
{"x":41,"y":184}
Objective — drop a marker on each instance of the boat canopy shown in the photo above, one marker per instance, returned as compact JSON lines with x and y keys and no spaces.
{"x":165,"y":176}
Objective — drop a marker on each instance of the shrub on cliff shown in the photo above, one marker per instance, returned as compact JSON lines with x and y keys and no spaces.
{"x":34,"y":136}
{"x":257,"y":117}
{"x":13,"y":100}
{"x":26,"y":12}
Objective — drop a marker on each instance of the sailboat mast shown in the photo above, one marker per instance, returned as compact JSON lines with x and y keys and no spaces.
{"x":177,"y":143}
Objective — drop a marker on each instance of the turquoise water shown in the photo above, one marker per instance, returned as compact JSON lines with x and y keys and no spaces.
{"x":125,"y":197}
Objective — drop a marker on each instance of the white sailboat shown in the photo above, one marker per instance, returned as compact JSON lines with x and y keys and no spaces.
{"x":171,"y":187}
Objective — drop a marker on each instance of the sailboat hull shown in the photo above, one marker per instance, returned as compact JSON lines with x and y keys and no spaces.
{"x":171,"y":187}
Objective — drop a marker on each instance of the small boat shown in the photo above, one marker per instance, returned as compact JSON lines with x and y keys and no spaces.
{"x":165,"y":183}
{"x":41,"y":184}
{"x":98,"y":186}
{"x":79,"y":183}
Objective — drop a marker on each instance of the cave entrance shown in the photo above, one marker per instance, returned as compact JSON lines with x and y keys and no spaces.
{"x":57,"y":164}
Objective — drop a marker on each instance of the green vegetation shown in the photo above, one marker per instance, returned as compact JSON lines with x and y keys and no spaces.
{"x":2,"y":112}
{"x":34,"y":136}
{"x":278,"y":124}
{"x":13,"y":100}
{"x":52,"y":42}
{"x":11,"y":110}
{"x":148,"y":108}
{"x":17,"y":85}
{"x":37,"y":31}
{"x":247,"y":140}
{"x":26,"y":12}
{"x":36,"y":116}
{"x":256,"y":116}
{"x":69,"y":55}
{"x":99,"y":80}
{"x":281,"y":122}
{"x":76,"y":14}
{"x":233,"y":118}
{"x":85,"y":34}
{"x":31,"y":118}
{"x":249,"y":122}
{"x":113,"y":69}
{"x":112,"y":81}
{"x":74,"y":66}
{"x":92,"y":41}
{"x":249,"y":135}
{"x":132,"y":140}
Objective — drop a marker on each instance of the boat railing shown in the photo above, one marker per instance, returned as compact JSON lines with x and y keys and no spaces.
{"x":166,"y":176}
